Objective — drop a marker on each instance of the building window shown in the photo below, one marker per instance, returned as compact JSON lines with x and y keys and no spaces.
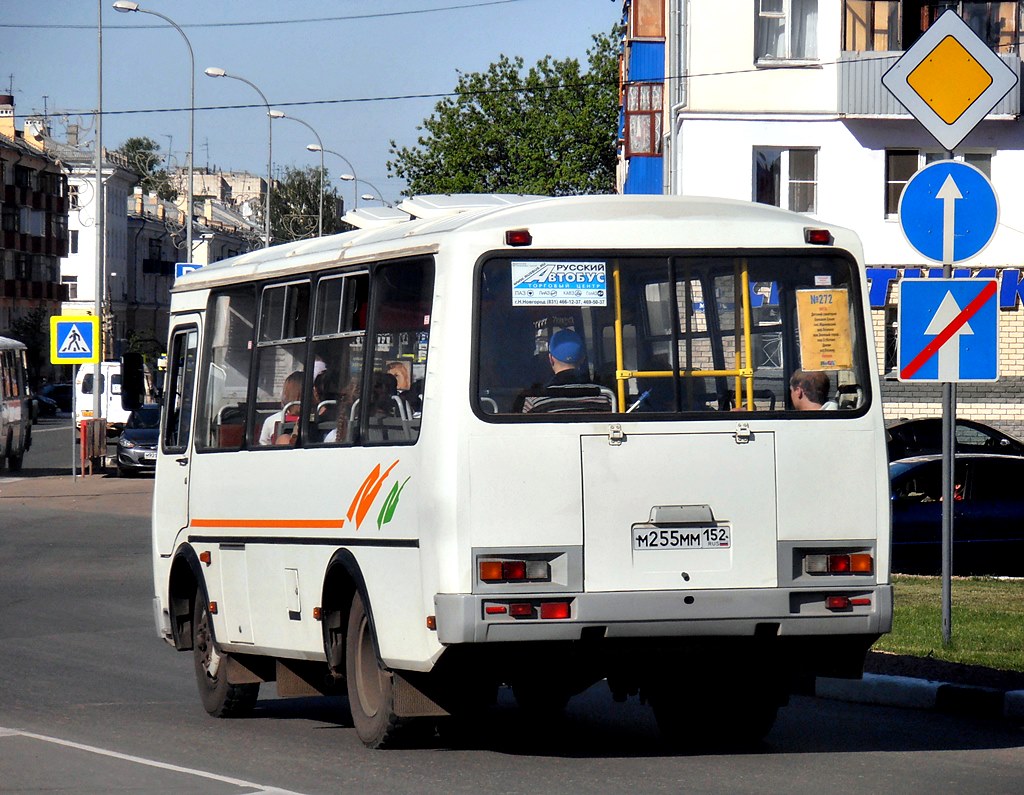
{"x":73,"y":241}
{"x":644,"y":103}
{"x":73,"y":197}
{"x":902,"y":164}
{"x":893,"y":25}
{"x":647,"y":19}
{"x":786,"y":178}
{"x":10,"y":218}
{"x":892,"y":328}
{"x":871,"y":25}
{"x":156,"y":249}
{"x":786,"y":30}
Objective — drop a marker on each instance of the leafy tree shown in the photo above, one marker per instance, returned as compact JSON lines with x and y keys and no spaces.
{"x":143,"y":155}
{"x":550,"y":130}
{"x":295,"y":205}
{"x":33,"y":328}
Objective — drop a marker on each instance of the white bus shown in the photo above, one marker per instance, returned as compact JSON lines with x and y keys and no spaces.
{"x":371,"y":474}
{"x":15,"y":405}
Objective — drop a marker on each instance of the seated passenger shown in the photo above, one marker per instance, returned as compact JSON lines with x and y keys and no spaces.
{"x":291,"y":394}
{"x":568,"y":390}
{"x":809,"y":390}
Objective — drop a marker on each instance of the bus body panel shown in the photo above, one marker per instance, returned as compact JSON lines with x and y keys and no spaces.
{"x":659,"y":487}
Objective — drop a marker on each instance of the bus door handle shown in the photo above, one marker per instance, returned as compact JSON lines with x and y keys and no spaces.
{"x":182,"y":461}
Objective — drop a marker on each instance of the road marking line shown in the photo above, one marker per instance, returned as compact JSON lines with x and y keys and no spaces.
{"x":4,"y":732}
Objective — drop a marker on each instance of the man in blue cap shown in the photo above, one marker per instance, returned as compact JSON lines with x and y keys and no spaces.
{"x":568,"y":391}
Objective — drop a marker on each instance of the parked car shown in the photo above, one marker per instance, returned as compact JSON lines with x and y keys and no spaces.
{"x":136,"y":448}
{"x":924,"y":436}
{"x":988,"y":515}
{"x":62,"y":394}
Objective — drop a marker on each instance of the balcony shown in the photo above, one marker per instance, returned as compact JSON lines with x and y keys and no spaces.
{"x":862,"y":94}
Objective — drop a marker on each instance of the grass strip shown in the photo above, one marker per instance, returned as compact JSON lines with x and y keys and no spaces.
{"x":987,"y":621}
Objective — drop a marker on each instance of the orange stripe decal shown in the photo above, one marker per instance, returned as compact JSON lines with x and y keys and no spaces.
{"x":371,"y":494}
{"x":294,"y":524}
{"x":362,"y":490}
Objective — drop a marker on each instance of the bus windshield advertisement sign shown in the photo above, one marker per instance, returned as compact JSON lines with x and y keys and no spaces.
{"x":559,"y":284}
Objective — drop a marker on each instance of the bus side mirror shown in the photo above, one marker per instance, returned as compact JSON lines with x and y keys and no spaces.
{"x":133,"y":384}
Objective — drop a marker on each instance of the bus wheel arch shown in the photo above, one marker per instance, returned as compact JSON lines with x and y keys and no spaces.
{"x":185,"y":585}
{"x":341,"y":583}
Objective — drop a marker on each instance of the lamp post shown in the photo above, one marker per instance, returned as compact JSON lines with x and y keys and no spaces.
{"x":367,"y":196}
{"x":124,"y":6}
{"x":278,"y":114}
{"x":216,"y":71}
{"x":319,"y":148}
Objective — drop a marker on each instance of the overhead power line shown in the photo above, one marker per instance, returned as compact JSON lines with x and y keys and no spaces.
{"x":305,"y":21}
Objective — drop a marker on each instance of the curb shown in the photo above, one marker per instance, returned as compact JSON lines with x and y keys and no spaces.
{"x":910,"y":693}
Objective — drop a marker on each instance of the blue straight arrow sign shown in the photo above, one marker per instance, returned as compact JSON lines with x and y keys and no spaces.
{"x":948,"y":211}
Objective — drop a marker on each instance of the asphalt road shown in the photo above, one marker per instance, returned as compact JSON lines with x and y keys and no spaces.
{"x":91,"y":700}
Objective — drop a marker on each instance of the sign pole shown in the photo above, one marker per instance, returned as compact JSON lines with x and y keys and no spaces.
{"x":948,"y":439}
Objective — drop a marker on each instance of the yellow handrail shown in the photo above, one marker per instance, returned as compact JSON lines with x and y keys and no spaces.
{"x":741,"y":372}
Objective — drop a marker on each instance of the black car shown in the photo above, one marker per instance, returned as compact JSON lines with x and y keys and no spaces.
{"x":988,"y":515}
{"x":924,"y":436}
{"x":136,"y":449}
{"x":61,"y":394}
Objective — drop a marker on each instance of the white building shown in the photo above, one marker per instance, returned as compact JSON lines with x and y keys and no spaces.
{"x":781,"y":101}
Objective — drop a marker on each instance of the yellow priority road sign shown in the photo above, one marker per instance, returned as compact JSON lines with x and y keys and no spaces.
{"x":949,"y":80}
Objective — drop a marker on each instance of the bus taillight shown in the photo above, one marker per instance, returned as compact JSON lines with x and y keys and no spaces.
{"x":515,"y":571}
{"x":855,"y":563}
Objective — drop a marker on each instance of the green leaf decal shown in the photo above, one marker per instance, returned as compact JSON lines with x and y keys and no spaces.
{"x":387,"y":510}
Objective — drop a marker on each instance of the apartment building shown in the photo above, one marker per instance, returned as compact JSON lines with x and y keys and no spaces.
{"x":781,"y":102}
{"x":34,"y":211}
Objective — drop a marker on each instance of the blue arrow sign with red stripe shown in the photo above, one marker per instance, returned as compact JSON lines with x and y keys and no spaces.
{"x":949,"y":330}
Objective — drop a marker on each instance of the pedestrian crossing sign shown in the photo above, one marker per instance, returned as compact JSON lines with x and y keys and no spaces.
{"x":74,"y":340}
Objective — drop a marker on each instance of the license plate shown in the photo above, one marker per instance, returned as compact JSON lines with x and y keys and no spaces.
{"x":149,"y":456}
{"x":701,"y":537}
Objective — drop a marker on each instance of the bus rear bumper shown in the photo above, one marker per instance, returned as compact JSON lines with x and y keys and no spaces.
{"x":490,"y":618}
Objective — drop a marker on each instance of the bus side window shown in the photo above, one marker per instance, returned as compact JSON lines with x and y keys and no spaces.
{"x":401,"y":323}
{"x":231,"y":317}
{"x":281,"y":359}
{"x":339,"y":334}
{"x":180,"y":385}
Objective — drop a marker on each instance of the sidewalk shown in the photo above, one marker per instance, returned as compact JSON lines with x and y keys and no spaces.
{"x":91,"y":493}
{"x":913,"y":693}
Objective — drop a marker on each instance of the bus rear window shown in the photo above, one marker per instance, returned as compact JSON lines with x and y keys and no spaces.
{"x":581,"y":337}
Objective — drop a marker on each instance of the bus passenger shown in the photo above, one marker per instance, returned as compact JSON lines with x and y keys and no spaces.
{"x":291,"y":395}
{"x":809,"y":391}
{"x":568,"y":390}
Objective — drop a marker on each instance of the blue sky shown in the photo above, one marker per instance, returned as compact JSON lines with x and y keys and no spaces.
{"x":349,"y":66}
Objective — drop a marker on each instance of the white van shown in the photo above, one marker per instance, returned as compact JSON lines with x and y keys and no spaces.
{"x":110,"y":394}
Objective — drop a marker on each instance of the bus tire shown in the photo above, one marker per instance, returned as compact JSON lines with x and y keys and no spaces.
{"x":371,"y":694}
{"x":220,"y":699}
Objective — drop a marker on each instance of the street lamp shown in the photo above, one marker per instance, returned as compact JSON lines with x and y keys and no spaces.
{"x":319,"y":148}
{"x":216,"y":71}
{"x":368,"y":196}
{"x":278,"y":114}
{"x":124,"y":6}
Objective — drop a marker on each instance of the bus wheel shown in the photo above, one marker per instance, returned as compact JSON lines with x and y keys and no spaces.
{"x":371,"y":694}
{"x":220,"y":699}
